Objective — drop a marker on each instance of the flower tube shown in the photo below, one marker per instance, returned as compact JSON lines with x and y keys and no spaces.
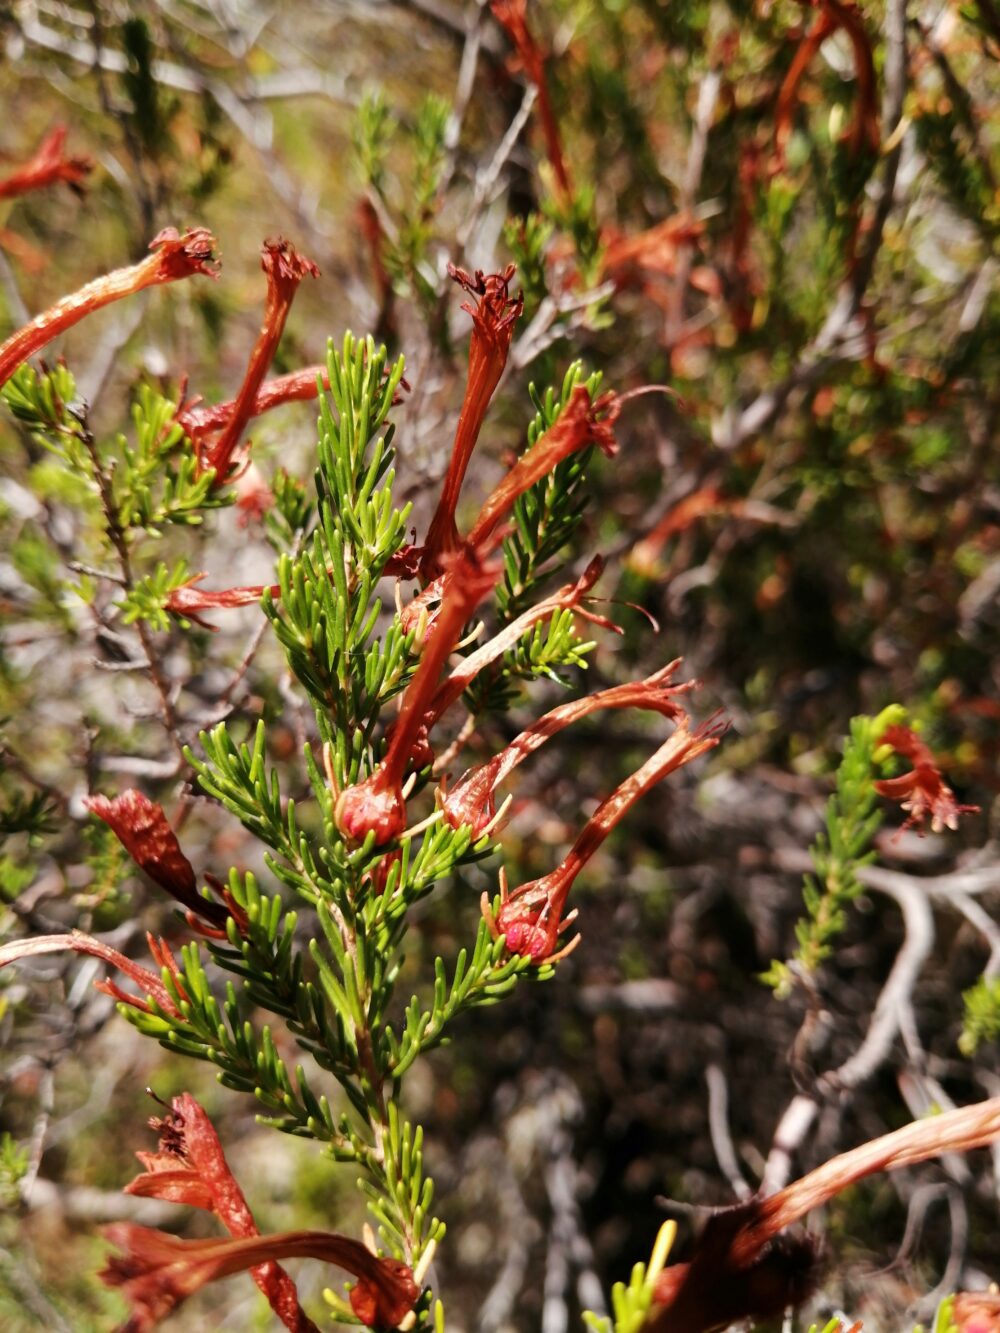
{"x":493,"y":317}
{"x":284,"y":269}
{"x":531,"y":916}
{"x":173,"y":257}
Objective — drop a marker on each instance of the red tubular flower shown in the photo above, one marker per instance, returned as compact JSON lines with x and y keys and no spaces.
{"x":284,"y":269}
{"x":191,"y":1168}
{"x":377,"y":805}
{"x":494,"y":315}
{"x":141,"y":826}
{"x":173,"y":257}
{"x":513,"y":16}
{"x":149,"y":983}
{"x":471,"y":800}
{"x":48,"y":166}
{"x":531,"y":917}
{"x":254,"y":496}
{"x":188,"y":601}
{"x":922,"y":792}
{"x":157,"y":1271}
{"x":298,"y":386}
{"x":580,"y":423}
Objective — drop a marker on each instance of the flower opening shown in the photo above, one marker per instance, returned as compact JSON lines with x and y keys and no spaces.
{"x":922,"y":792}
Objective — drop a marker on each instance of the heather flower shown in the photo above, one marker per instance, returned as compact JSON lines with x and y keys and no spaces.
{"x":494,"y":315}
{"x":141,"y":826}
{"x":151,"y":984}
{"x":191,"y":1168}
{"x":569,"y":596}
{"x":513,"y":16}
{"x":744,"y":1268}
{"x":284,"y":269}
{"x":581,"y":422}
{"x":531,"y":916}
{"x":200,"y":421}
{"x":173,"y":257}
{"x":471,"y":801}
{"x":377,"y":805}
{"x":48,"y":166}
{"x":157,"y":1272}
{"x":188,"y":600}
{"x":922,"y":792}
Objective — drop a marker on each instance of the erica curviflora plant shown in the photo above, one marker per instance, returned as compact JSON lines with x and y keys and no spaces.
{"x":370,"y":825}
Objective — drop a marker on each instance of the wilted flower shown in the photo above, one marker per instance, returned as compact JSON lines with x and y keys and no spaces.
{"x":531,"y":916}
{"x":191,"y":1168}
{"x":471,"y":801}
{"x":156,"y":1271}
{"x":377,"y":805}
{"x":48,"y":166}
{"x":141,"y":826}
{"x":188,"y":600}
{"x":199,"y":421}
{"x":744,"y":1268}
{"x":513,"y":15}
{"x":284,"y":269}
{"x":150,"y":983}
{"x":581,"y":422}
{"x":494,"y":314}
{"x":173,"y":257}
{"x":922,"y":792}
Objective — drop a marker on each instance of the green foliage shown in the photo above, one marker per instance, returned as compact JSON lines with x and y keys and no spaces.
{"x":839,"y":852}
{"x":981,"y":1021}
{"x":630,"y":1302}
{"x":147,"y":599}
{"x":14,"y":1161}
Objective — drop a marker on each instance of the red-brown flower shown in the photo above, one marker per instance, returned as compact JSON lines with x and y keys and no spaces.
{"x":48,"y":166}
{"x":200,"y":421}
{"x":922,"y":792}
{"x":173,"y":257}
{"x":377,"y":805}
{"x":188,"y":600}
{"x":150,"y":983}
{"x":471,"y":801}
{"x":157,"y":1272}
{"x":494,"y":314}
{"x":513,"y":16}
{"x":531,"y":916}
{"x":141,"y":826}
{"x":191,"y":1168}
{"x":582,"y":422}
{"x":284,"y":269}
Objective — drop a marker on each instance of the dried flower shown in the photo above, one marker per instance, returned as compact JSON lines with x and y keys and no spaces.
{"x":150,"y":983}
{"x":188,"y":600}
{"x":297,"y":386}
{"x":744,"y":1268}
{"x":284,"y":269}
{"x":48,"y":166}
{"x":494,"y":314}
{"x":922,"y":792}
{"x":471,"y":801}
{"x":191,"y":1168}
{"x":569,"y":596}
{"x":581,"y":422}
{"x":173,"y":257}
{"x":531,"y":916}
{"x":157,"y":1271}
{"x":377,"y":805}
{"x":141,"y":826}
{"x":513,"y":16}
